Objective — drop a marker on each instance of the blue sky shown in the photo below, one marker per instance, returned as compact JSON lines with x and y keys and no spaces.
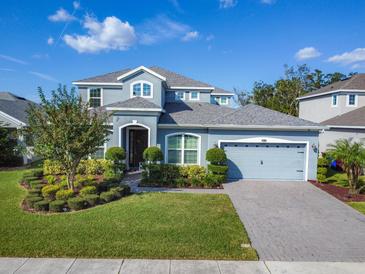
{"x":228,"y":43}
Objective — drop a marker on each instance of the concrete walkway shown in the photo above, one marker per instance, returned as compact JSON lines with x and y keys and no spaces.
{"x":296,"y":221}
{"x":128,"y":266}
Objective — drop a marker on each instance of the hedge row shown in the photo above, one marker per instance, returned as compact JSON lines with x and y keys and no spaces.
{"x":86,"y":167}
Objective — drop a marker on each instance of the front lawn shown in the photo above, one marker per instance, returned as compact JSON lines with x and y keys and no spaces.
{"x":153,"y":225}
{"x":340,"y":178}
{"x":359,"y":206}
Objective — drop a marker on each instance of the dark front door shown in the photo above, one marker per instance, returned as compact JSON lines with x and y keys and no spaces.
{"x":138,"y":142}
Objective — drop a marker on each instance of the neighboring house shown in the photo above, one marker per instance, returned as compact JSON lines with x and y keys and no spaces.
{"x":13,"y":114}
{"x":184,"y":117}
{"x":339,"y":106}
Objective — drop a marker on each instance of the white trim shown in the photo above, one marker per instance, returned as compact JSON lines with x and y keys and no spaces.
{"x":97,"y":84}
{"x":239,"y":127}
{"x":334,"y":95}
{"x":203,"y":88}
{"x":332,"y":91}
{"x":348,"y":100}
{"x":182,"y":147}
{"x":349,"y":127}
{"x":135,"y":109}
{"x":179,"y":99}
{"x":194,"y":99}
{"x":12,"y":119}
{"x":270,"y":140}
{"x":218,"y":99}
{"x":141,"y":82}
{"x":222,"y":94}
{"x":101,"y":95}
{"x":133,"y":71}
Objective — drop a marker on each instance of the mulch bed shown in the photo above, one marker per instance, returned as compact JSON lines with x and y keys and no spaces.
{"x":340,"y":193}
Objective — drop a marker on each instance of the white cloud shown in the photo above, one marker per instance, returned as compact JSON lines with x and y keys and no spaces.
{"x":12,"y":59}
{"x":76,"y":5}
{"x":161,"y":28}
{"x":43,"y":76}
{"x":61,"y":15}
{"x":50,"y":41}
{"x":225,"y":4}
{"x":7,"y":69}
{"x":111,"y":34}
{"x":307,"y":53}
{"x":210,"y":37}
{"x":189,"y":36}
{"x":350,"y":57}
{"x":268,"y":2}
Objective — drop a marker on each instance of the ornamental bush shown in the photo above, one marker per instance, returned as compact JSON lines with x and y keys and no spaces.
{"x":117,"y":156}
{"x":34,"y":192}
{"x":193,"y":172}
{"x":77,"y":203}
{"x":152,"y":154}
{"x":322,"y":169}
{"x":216,"y":169}
{"x":50,"y":179}
{"x":41,"y":205}
{"x":216,"y":156}
{"x":322,"y":162}
{"x":108,"y":196}
{"x":89,"y":167}
{"x":88,"y":190}
{"x":52,"y":167}
{"x":64,"y":194}
{"x":92,"y":199}
{"x":57,"y":206}
{"x":31,"y":200}
{"x":49,"y":191}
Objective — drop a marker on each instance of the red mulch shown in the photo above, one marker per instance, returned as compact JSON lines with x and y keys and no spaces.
{"x":341,"y":193}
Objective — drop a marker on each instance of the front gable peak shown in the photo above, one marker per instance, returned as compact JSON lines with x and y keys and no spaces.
{"x":138,"y":69}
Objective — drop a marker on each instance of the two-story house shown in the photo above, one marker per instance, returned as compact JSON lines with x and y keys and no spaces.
{"x":185,"y":117}
{"x":339,"y":106}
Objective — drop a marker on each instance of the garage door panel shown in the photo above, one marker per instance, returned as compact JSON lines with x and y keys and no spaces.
{"x":265,"y":161}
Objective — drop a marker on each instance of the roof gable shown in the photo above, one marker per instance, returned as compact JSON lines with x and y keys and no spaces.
{"x":14,"y":106}
{"x":354,"y":118}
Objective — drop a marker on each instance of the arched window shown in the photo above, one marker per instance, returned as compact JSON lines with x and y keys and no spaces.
{"x":183,"y":149}
{"x":142,"y":89}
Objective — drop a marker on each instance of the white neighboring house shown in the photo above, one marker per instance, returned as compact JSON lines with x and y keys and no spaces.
{"x":339,"y":106}
{"x":13,"y":114}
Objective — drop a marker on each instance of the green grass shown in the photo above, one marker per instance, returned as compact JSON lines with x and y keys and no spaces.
{"x":359,"y":206}
{"x":153,"y":225}
{"x":340,"y":179}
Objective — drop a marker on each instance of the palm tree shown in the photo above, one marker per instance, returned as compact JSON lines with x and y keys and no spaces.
{"x":352,"y":155}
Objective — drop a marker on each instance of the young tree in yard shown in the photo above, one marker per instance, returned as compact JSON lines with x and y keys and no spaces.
{"x":65,"y":130}
{"x":352,"y":155}
{"x":9,"y":148}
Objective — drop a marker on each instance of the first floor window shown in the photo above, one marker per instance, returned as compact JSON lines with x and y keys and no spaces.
{"x":99,"y":154}
{"x":183,"y":149}
{"x":352,"y":100}
{"x":334,"y":100}
{"x":180,"y":95}
{"x":95,"y":97}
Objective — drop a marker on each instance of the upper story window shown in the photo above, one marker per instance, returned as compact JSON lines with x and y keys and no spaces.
{"x":142,"y":89}
{"x":180,"y":95}
{"x":95,"y":97}
{"x":222,"y":100}
{"x":183,"y":149}
{"x":352,"y":100}
{"x":194,"y":95}
{"x":334,"y":100}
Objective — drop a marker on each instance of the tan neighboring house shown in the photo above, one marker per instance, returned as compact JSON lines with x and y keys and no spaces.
{"x":339,"y":106}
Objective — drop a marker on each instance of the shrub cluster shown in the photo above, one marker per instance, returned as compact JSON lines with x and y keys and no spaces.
{"x":218,"y":165}
{"x":64,"y":194}
{"x":117,"y":156}
{"x":49,"y":192}
{"x":322,"y":169}
{"x":88,"y":167}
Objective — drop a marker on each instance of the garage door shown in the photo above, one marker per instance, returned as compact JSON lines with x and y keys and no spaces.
{"x":265,"y":161}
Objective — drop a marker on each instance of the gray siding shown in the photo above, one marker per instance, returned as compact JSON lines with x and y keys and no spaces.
{"x":330,"y":136}
{"x":319,"y":109}
{"x":203,"y":97}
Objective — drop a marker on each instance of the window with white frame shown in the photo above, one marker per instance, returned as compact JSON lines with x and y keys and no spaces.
{"x":180,"y":95}
{"x":141,"y":89}
{"x":183,"y":149}
{"x":351,"y":100}
{"x":222,"y":100}
{"x":95,"y":97}
{"x":334,"y":100}
{"x":99,"y":154}
{"x":194,"y":95}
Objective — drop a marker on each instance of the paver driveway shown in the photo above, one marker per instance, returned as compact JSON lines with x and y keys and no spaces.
{"x":295,"y":221}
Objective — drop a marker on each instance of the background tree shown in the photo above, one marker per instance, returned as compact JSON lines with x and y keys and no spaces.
{"x":242,"y":97}
{"x":64,"y":129}
{"x":10,"y":149}
{"x":352,"y":155}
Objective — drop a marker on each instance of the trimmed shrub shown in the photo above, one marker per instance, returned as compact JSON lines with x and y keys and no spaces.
{"x":50,"y":179}
{"x":92,"y":199}
{"x":76,"y":203}
{"x":38,"y":172}
{"x":88,"y":190}
{"x":216,"y":156}
{"x":57,"y":206}
{"x":322,"y":170}
{"x":117,"y":156}
{"x":31,"y":200}
{"x":213,"y":180}
{"x":322,"y":162}
{"x":181,"y":182}
{"x":108,"y":196}
{"x":34,"y":192}
{"x":64,"y":194}
{"x":216,"y":169}
{"x":90,"y":166}
{"x":169,"y":173}
{"x":52,"y":167}
{"x":34,"y":184}
{"x":152,"y":154}
{"x":126,"y":189}
{"x":321,"y":178}
{"x":41,"y":205}
{"x":193,"y":172}
{"x":49,"y":191}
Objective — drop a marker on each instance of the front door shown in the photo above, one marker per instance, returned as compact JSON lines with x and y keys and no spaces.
{"x":138,"y":142}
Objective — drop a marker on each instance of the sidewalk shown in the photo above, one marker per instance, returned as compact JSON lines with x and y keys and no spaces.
{"x":106,"y":266}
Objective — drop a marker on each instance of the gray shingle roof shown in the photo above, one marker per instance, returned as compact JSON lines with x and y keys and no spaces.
{"x":353,"y":118}
{"x":14,"y":106}
{"x":135,"y":102}
{"x":172,"y":79}
{"x":209,"y":114}
{"x":357,"y":81}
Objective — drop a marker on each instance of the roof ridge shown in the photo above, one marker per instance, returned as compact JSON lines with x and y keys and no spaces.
{"x":350,"y":80}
